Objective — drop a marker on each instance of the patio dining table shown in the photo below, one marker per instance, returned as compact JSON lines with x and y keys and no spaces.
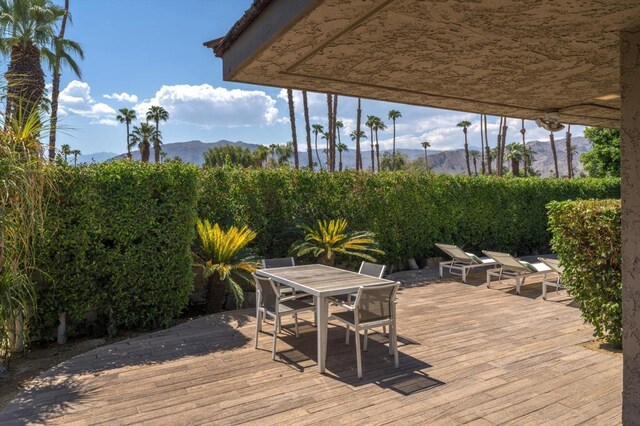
{"x":321,"y":282}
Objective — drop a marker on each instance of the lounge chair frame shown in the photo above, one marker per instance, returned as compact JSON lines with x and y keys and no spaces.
{"x":461,"y":263}
{"x":512,"y":268}
{"x":557,"y":283}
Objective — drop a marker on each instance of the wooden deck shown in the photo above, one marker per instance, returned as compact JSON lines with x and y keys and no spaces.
{"x":468,"y":355}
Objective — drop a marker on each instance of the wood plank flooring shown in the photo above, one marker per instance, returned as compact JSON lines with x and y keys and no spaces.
{"x":468,"y":355}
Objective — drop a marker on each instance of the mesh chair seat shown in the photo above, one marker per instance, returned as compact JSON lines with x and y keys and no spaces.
{"x":294,"y":306}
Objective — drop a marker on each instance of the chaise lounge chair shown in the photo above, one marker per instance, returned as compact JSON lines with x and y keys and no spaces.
{"x":461,"y":261}
{"x":554,"y":264}
{"x":514,"y":268}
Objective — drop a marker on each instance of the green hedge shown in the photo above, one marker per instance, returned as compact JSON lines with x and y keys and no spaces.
{"x":586,"y":236}
{"x":118,"y":240}
{"x":409,"y":211}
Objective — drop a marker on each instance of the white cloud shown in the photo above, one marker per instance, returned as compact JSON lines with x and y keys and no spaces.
{"x":208,"y":107}
{"x":122,"y":97}
{"x":75,"y":99}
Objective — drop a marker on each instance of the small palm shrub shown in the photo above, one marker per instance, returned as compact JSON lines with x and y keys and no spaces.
{"x":331,"y":237}
{"x":223,"y":256}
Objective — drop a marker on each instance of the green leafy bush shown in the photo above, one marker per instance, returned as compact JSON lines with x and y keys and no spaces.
{"x":586,"y":236}
{"x":117,"y":242}
{"x":408,"y":211}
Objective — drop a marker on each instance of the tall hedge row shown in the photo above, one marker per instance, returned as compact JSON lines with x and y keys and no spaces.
{"x":409,"y":211}
{"x":119,"y":235}
{"x":586,"y":236}
{"x":117,"y":243}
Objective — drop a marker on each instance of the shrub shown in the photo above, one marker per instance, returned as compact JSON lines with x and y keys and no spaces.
{"x":118,"y":242}
{"x":586,"y":236}
{"x":408,"y":211}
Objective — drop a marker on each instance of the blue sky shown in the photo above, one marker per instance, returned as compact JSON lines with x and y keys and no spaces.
{"x":143,"y":52}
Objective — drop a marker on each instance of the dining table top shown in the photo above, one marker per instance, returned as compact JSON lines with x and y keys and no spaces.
{"x":321,"y":280}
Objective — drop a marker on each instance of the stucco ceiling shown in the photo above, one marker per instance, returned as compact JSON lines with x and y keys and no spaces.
{"x":519,"y":58}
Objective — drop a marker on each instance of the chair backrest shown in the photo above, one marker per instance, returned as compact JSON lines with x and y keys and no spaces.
{"x":279,"y":262}
{"x":372,"y":269}
{"x":506,"y":261}
{"x":269,"y":294}
{"x":554,"y":264}
{"x":455,"y":252}
{"x":375,"y":303}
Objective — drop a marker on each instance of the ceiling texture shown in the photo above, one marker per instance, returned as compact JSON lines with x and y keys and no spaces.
{"x":517,"y":58}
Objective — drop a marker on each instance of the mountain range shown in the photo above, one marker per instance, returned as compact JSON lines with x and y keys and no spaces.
{"x":450,"y":161}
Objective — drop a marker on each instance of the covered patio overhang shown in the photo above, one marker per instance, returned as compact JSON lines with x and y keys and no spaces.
{"x":574,"y":61}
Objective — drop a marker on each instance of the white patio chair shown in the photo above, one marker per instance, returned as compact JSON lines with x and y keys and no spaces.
{"x":514,"y":268}
{"x":269,"y":301}
{"x":281,"y":262}
{"x":374,"y":306}
{"x":554,"y":264}
{"x":461,"y":261}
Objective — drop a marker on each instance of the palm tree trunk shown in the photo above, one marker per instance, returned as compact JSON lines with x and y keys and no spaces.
{"x":329,"y":129}
{"x":482,"y":159}
{"x":487,"y":150}
{"x":373,"y":161}
{"x":515,"y":167}
{"x":358,"y":153}
{"x":475,"y":166}
{"x":393,"y":152}
{"x":499,"y":149}
{"x":554,"y":153}
{"x":524,"y":150}
{"x":25,"y":81}
{"x":334,"y":133}
{"x":292,"y":119}
{"x":156,"y":145}
{"x":503,"y":143}
{"x":377,"y":151}
{"x":55,"y":88}
{"x":569,"y":153}
{"x":307,"y":126}
{"x":317,"y":153}
{"x":426,"y":163}
{"x":340,"y":161}
{"x":466,"y":151}
{"x":128,"y":146}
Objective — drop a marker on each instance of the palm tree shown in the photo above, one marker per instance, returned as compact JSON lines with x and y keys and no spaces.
{"x":356,"y":136}
{"x":330,"y":237}
{"x":261,"y":154}
{"x":157,"y":114}
{"x":359,"y":134}
{"x":393,"y":116}
{"x":465,"y":124}
{"x":142,"y":136}
{"x":62,"y":55}
{"x":378,"y":125}
{"x":341,"y":147}
{"x":484,"y":170}
{"x":307,"y":127}
{"x":528,"y":157}
{"x":515,"y":154}
{"x":554,"y":153}
{"x":28,"y":28}
{"x":317,"y":128}
{"x":487,"y":149}
{"x":75,"y":154}
{"x":569,"y":152}
{"x":371,"y":124}
{"x":65,"y":150}
{"x":221,"y":253}
{"x":127,"y":116}
{"x":425,"y":145}
{"x":284,"y":152}
{"x":273,"y":148}
{"x":475,"y":154}
{"x":326,"y":136}
{"x":292,"y":119}
{"x":523,"y":131}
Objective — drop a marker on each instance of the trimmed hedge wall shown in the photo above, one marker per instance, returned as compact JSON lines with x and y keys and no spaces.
{"x":119,"y":235}
{"x":118,"y":242}
{"x":409,"y":211}
{"x":586,"y":236}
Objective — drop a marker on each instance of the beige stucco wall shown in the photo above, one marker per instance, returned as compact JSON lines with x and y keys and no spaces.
{"x":630,"y":84}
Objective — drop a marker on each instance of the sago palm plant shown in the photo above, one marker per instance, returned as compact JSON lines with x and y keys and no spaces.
{"x":329,"y":238}
{"x":222,"y":254}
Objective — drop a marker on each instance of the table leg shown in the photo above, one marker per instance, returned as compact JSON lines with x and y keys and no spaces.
{"x":322,"y":312}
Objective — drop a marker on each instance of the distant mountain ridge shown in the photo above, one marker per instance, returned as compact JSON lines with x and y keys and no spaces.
{"x":451,"y":161}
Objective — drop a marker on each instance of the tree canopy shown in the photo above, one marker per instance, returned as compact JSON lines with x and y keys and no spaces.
{"x":604,"y":158}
